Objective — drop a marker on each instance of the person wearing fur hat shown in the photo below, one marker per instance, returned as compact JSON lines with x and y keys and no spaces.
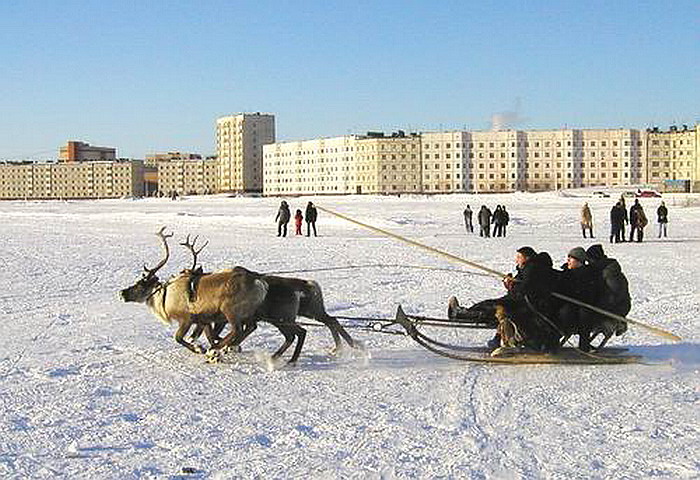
{"x":577,"y":281}
{"x":614,"y":295}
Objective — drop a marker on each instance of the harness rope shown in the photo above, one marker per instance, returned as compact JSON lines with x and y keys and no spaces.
{"x":653,"y":329}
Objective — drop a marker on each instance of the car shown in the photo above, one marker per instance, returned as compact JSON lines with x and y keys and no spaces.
{"x":648,"y":194}
{"x":600,"y":194}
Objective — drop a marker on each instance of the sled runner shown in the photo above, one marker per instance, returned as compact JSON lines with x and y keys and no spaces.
{"x":566,"y":355}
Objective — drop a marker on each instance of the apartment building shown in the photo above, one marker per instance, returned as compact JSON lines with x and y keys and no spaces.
{"x":239,"y":149}
{"x":389,"y":164}
{"x":84,"y":152}
{"x":72,"y":180}
{"x":673,"y":155}
{"x":373,"y":163}
{"x":324,"y":165}
{"x":153,"y":159}
{"x":187,"y":177}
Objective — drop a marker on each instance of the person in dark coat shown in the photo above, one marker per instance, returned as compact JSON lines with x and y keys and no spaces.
{"x":496,"y":219}
{"x":529,"y":308}
{"x":662,"y":218}
{"x":617,"y":221}
{"x":625,"y":219}
{"x":506,"y":220}
{"x":638,"y":221}
{"x":282,"y":219}
{"x":485,"y":221}
{"x":311,"y":216}
{"x":578,"y":281}
{"x":468,"y":219}
{"x":614,"y":295}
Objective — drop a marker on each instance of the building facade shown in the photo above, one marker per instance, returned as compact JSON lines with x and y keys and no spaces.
{"x":84,"y":152}
{"x":72,"y":180}
{"x":153,"y":159}
{"x":188,"y":177}
{"x":239,"y":150}
{"x":672,"y":156}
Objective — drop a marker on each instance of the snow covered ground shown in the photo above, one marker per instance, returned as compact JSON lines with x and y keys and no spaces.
{"x":92,"y":387}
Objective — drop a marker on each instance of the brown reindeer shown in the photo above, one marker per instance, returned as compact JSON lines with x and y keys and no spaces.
{"x":237,"y":297}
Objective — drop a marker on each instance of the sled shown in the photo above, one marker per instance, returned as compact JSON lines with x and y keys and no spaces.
{"x":565,"y":355}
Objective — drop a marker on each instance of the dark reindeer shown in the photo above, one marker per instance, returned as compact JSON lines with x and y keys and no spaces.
{"x":237,"y":297}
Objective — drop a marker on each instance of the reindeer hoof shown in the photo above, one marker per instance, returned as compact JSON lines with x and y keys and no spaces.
{"x":213,"y":356}
{"x":199,"y":349}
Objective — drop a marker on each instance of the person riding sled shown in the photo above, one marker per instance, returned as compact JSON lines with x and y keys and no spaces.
{"x":524,"y":316}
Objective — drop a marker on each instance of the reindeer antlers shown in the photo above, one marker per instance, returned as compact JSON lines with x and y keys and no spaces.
{"x":190,"y":246}
{"x":164,"y":239}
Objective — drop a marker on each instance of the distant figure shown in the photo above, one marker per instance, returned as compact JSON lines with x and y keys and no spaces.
{"x":662,"y":216}
{"x":617,"y":222}
{"x":485,"y":221}
{"x":282,"y":219}
{"x":638,"y":220}
{"x":506,"y":220}
{"x":497,"y":221}
{"x":298,"y":218}
{"x":586,"y":220}
{"x":468,"y":219}
{"x":311,"y":215}
{"x":625,"y":218}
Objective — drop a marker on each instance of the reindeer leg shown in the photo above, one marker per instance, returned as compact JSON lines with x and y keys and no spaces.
{"x":197,"y":332}
{"x":337,"y":331}
{"x":289,"y":336}
{"x":182,"y":330}
{"x":301,"y":335}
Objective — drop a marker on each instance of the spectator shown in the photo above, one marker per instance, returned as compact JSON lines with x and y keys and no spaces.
{"x":311,"y":215}
{"x":662,"y":214}
{"x":282,"y":219}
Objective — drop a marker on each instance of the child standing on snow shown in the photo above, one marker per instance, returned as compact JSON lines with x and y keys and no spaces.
{"x":298,"y":218}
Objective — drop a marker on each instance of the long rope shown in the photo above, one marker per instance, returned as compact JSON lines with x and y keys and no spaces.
{"x":655,"y":330}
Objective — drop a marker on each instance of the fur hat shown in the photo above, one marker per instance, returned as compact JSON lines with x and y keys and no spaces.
{"x":578,"y":253}
{"x":595,"y":252}
{"x":528,"y":252}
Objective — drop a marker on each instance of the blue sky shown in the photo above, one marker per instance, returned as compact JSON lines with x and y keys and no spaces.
{"x":153,"y":76}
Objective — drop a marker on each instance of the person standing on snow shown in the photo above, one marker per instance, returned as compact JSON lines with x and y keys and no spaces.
{"x":468,"y":219}
{"x":586,"y":220}
{"x":311,"y":216}
{"x":485,"y":221}
{"x":282,"y":219}
{"x":662,"y":217}
{"x":638,"y":220}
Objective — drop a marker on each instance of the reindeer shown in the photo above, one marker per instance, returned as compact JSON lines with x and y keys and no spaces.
{"x":237,"y":297}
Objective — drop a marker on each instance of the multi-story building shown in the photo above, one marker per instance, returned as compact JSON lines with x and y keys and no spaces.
{"x":98,"y":179}
{"x":353,"y":164}
{"x":388,"y":164}
{"x":82,"y":152}
{"x":186,"y":177}
{"x":239,"y":149}
{"x":324,"y":165}
{"x":672,"y":156}
{"x":153,"y":159}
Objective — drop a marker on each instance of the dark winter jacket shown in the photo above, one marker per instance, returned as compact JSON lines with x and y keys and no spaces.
{"x":579,"y":283}
{"x":617,"y":215}
{"x":535,"y":281}
{"x":283,"y":214}
{"x":612,"y":286}
{"x":662,"y":214}
{"x":484,"y":216}
{"x":311,"y":213}
{"x":637,"y":217}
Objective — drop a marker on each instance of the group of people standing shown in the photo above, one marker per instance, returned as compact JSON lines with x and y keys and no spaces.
{"x":499,"y":218}
{"x":619,"y":217}
{"x":284,"y":215}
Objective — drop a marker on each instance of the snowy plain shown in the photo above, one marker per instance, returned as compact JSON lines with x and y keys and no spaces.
{"x":92,"y":387}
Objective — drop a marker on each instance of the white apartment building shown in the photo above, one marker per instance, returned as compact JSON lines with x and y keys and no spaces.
{"x":343,"y":165}
{"x":72,"y":180}
{"x":324,"y":165}
{"x":239,"y":149}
